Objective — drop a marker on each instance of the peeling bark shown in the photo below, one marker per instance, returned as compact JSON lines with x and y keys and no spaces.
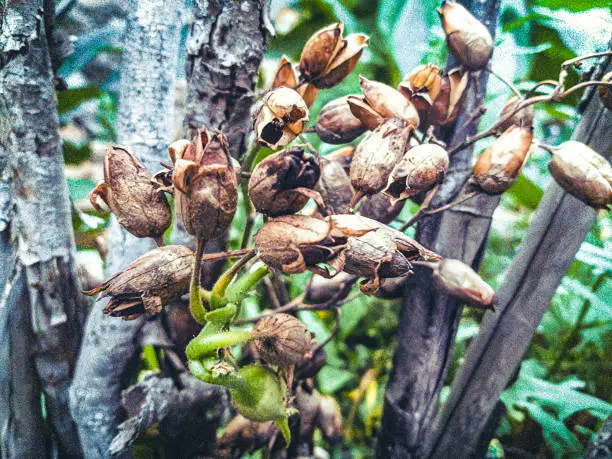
{"x":429,"y":318}
{"x":529,"y":284}
{"x":41,"y":305}
{"x":146,"y":104}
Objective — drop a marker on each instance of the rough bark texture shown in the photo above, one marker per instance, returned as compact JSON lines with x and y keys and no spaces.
{"x":429,"y":318}
{"x":41,"y":308}
{"x":601,"y":447}
{"x":531,"y":280}
{"x":225,"y":47}
{"x":145,"y":106}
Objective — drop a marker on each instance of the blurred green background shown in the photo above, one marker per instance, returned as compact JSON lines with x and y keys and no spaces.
{"x":563,"y":390}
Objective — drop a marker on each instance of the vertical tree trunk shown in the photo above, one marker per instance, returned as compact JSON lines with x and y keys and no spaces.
{"x":146,"y":109}
{"x":41,"y":307}
{"x":225,"y":48}
{"x":557,"y":230}
{"x":429,"y":318}
{"x":189,"y":423}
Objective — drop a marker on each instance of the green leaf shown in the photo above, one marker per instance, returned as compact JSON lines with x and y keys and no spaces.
{"x":75,"y":153}
{"x":550,"y":404}
{"x":72,"y":98}
{"x":526,"y":192}
{"x":331,"y":379}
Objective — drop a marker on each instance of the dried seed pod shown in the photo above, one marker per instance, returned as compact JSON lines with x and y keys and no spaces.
{"x":344,"y":62}
{"x":380,"y":207}
{"x":388,"y":102}
{"x":327,"y":59}
{"x":329,"y":420}
{"x":285,"y":74}
{"x":334,"y":186}
{"x":422,"y":86}
{"x":322,"y":290}
{"x":284,"y":181}
{"x":130,"y":193}
{"x":309,"y":92}
{"x":282,"y":340}
{"x":446,"y":105}
{"x":499,"y":165}
{"x":468,"y":39}
{"x":320,"y":49}
{"x":459,"y":280}
{"x":368,"y":117}
{"x":583,"y":173}
{"x":295,"y":243}
{"x":343,"y":156}
{"x":147,"y":283}
{"x":336,"y":123}
{"x":376,"y":251}
{"x":207,"y":185}
{"x":307,"y":400}
{"x":279,"y":117}
{"x":523,"y":117}
{"x":605,"y":92}
{"x":377,"y":154}
{"x":421,"y":168}
{"x":241,"y":436}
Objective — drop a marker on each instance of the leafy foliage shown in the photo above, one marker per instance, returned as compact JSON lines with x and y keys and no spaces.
{"x":558,"y":397}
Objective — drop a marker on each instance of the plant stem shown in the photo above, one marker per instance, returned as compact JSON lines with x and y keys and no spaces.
{"x":575,"y":331}
{"x":236,"y":291}
{"x":195,"y":302}
{"x":204,"y":345}
{"x":555,"y":96}
{"x":424,"y":211}
{"x":505,"y":81}
{"x":247,"y":166}
{"x":218,"y":291}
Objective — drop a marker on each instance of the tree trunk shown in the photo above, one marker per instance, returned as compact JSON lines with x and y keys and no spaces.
{"x":557,"y":230}
{"x":41,"y":308}
{"x":225,"y":48}
{"x":429,"y":318}
{"x":146,"y":109}
{"x":189,"y":411}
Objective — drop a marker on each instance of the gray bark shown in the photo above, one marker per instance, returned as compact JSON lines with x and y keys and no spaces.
{"x":601,"y":447}
{"x":225,"y":47}
{"x":429,"y":318}
{"x":557,"y":230}
{"x":146,"y":105}
{"x":41,"y":308}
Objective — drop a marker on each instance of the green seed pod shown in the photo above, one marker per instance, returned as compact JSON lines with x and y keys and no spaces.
{"x":262,"y":398}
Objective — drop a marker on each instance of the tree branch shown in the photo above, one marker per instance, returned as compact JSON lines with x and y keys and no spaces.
{"x":429,"y":318}
{"x":146,"y":104}
{"x":42,"y":307}
{"x":530,"y":282}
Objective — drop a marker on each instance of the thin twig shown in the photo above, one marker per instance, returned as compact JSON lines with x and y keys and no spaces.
{"x":552,"y":83}
{"x":297,"y":305}
{"x":308,"y":144}
{"x":219,"y":256}
{"x":575,"y":60}
{"x":505,"y":81}
{"x":555,"y":96}
{"x":424,"y":211}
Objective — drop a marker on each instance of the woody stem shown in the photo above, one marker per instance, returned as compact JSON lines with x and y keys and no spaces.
{"x":505,"y":81}
{"x":424,"y":211}
{"x":195,"y":302}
